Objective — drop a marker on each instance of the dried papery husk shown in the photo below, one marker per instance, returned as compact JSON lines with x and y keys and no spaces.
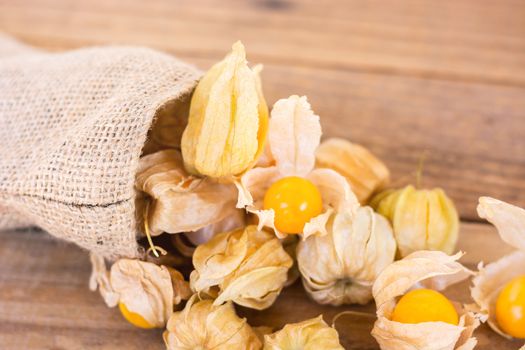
{"x":490,"y":280}
{"x":429,"y":269}
{"x":179,"y":202}
{"x":148,"y":290}
{"x":294,"y":135}
{"x":248,"y":266}
{"x":421,"y":219}
{"x":507,"y":218}
{"x":203,"y":325}
{"x":100,"y":279}
{"x":312,"y":334}
{"x":365,"y":172}
{"x":228,"y":119}
{"x":340,"y":267}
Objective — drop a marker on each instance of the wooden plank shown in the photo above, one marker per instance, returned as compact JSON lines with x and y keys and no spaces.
{"x":45,"y":302}
{"x":445,"y":40}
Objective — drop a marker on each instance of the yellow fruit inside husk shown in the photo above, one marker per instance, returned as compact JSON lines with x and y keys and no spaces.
{"x":510,"y":308}
{"x":425,"y":305}
{"x":134,"y":318}
{"x":295,"y":200}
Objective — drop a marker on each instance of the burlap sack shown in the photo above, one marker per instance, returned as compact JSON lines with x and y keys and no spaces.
{"x":72,"y":128}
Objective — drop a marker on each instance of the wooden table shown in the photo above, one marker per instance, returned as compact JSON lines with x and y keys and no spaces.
{"x":404,"y":78}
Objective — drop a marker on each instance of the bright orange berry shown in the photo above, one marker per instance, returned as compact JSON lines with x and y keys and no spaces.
{"x":295,"y":200}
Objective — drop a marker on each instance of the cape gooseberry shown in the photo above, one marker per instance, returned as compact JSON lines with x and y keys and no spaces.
{"x":510,"y":308}
{"x":425,"y":305}
{"x":294,"y":200}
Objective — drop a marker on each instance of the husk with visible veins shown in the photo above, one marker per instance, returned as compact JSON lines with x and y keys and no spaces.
{"x":510,"y":223}
{"x":203,"y":325}
{"x":312,"y":334}
{"x":365,"y":173}
{"x":228,"y":119}
{"x":340,"y":267}
{"x":421,"y":219}
{"x":179,"y":202}
{"x":148,"y":290}
{"x":429,"y":269}
{"x":247,"y":266}
{"x":294,"y":135}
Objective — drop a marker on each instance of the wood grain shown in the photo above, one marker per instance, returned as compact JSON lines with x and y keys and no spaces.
{"x":45,"y":302}
{"x":448,"y":40}
{"x":445,"y":79}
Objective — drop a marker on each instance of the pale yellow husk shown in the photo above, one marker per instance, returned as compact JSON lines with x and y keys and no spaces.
{"x":312,"y":334}
{"x":421,"y":219}
{"x":294,"y":134}
{"x":508,"y":219}
{"x":179,"y":202}
{"x":510,"y":223}
{"x":340,"y":267}
{"x":148,"y":290}
{"x":428,"y":269}
{"x":364,"y":172}
{"x":203,"y":325}
{"x":228,"y":119}
{"x":247,"y":266}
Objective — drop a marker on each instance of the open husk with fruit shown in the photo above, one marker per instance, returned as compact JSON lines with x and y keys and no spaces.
{"x":499,"y":287}
{"x":411,"y":311}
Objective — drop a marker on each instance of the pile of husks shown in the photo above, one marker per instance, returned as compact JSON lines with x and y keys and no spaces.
{"x":257,"y":201}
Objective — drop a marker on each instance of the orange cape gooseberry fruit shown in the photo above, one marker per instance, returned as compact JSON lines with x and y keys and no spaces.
{"x":510,"y":308}
{"x":295,"y":200}
{"x":425,"y":305}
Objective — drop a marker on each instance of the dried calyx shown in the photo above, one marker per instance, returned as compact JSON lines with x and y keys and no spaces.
{"x":294,"y":135}
{"x":247,"y":266}
{"x":433,"y":270}
{"x":365,"y":173}
{"x":177,"y":202}
{"x":340,"y":267}
{"x":310,"y":334}
{"x":421,"y":219}
{"x":504,"y":309}
{"x":204,"y":325}
{"x":145,"y":292}
{"x":228,"y":119}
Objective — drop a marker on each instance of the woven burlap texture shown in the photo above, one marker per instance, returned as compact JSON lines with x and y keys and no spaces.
{"x":72,"y":127}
